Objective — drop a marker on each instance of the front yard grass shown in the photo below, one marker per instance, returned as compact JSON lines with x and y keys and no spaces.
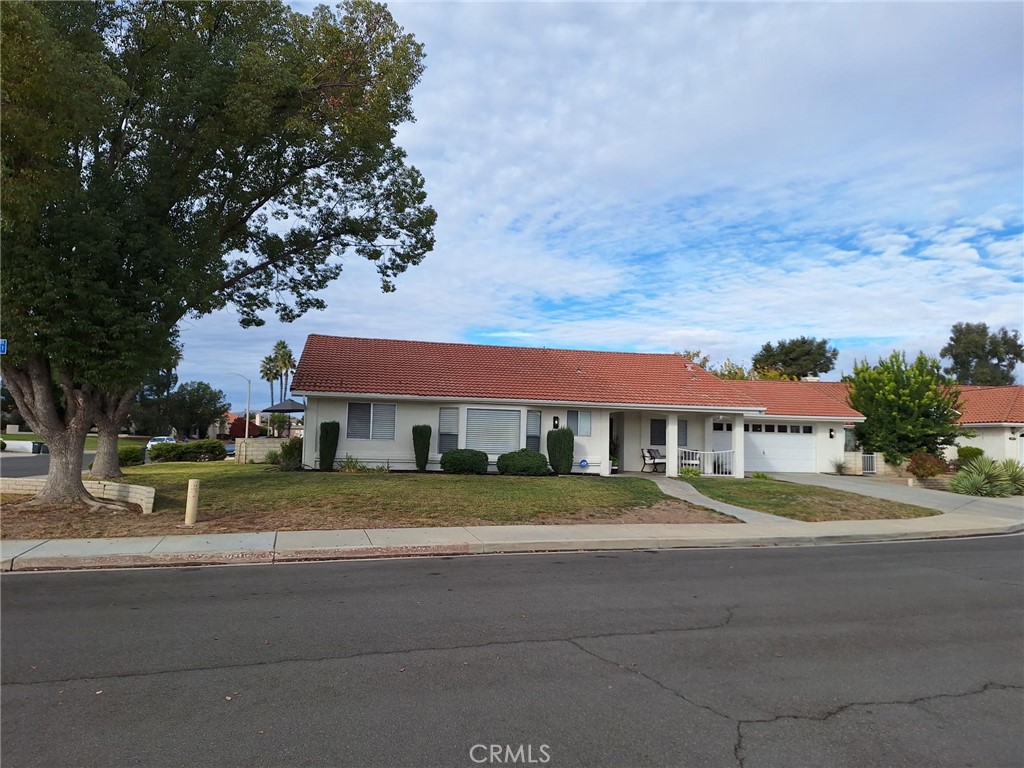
{"x":807,"y":503}
{"x":254,"y":497}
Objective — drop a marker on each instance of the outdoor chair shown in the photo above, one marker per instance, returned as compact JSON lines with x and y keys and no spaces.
{"x":650,"y":460}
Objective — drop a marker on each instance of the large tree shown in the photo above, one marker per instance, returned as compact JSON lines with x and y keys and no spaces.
{"x":796,"y":358}
{"x":194,"y":406}
{"x":907,"y":407}
{"x":978,"y":356}
{"x":166,"y":159}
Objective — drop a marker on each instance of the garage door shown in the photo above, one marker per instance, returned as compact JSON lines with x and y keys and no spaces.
{"x":791,"y":450}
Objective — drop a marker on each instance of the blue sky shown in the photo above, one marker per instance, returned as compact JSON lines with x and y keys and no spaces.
{"x":669,"y":176}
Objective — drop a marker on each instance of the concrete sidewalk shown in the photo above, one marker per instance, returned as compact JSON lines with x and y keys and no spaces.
{"x":962,"y":516}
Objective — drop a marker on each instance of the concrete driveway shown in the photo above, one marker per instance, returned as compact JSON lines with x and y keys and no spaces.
{"x":1011,"y":508}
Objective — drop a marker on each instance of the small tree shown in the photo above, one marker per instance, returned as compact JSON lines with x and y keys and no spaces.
{"x":330,"y":431}
{"x":560,"y":450}
{"x":421,"y":445}
{"x":907,"y":408}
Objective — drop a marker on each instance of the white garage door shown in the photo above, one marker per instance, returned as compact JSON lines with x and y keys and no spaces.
{"x":774,"y":451}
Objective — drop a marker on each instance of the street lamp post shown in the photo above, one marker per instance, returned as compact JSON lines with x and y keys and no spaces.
{"x":248,"y":399}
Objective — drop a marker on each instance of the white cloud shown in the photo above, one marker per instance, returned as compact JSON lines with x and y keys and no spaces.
{"x":675,"y":175}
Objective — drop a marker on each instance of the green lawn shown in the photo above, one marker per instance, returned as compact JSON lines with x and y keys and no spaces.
{"x":90,"y":440}
{"x":802,"y":502}
{"x":226,"y":487}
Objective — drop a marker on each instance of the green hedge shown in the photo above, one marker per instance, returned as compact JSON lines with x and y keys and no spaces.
{"x":464,"y":461}
{"x":291,"y":455}
{"x":197,"y":450}
{"x":131,"y":455}
{"x":421,"y":445}
{"x":523,"y":462}
{"x":560,"y":448}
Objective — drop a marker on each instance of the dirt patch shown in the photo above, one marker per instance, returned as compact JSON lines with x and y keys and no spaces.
{"x":82,"y":522}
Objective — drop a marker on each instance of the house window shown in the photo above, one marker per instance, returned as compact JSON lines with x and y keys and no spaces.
{"x":371,"y":421}
{"x":493,"y":430}
{"x":746,"y":427}
{"x":533,"y":430}
{"x":808,"y":430}
{"x":447,"y":429}
{"x":579,"y":423}
{"x":682,"y":439}
{"x":658,"y":427}
{"x":755,"y":427}
{"x":721,"y":426}
{"x":783,"y":429}
{"x":794,"y":429}
{"x":769,"y":427}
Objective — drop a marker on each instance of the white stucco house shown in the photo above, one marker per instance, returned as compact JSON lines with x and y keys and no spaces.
{"x":996,"y":417}
{"x":499,"y":399}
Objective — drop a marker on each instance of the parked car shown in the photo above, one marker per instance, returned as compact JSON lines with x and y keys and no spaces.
{"x":157,"y":440}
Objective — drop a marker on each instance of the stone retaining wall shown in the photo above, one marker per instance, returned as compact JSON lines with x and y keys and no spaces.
{"x":101,"y":489}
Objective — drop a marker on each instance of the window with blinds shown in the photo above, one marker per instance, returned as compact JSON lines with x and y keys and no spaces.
{"x":493,"y":430}
{"x":533,"y":430}
{"x":447,"y":429}
{"x":682,"y":439}
{"x":579,"y":423}
{"x":371,"y":421}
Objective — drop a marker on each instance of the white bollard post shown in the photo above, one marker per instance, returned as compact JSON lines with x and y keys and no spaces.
{"x":192,"y":503}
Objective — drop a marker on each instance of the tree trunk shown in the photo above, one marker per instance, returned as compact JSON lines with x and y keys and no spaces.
{"x":63,"y":429}
{"x":110,"y":418}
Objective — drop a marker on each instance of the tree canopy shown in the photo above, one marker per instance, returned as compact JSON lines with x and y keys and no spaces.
{"x":796,"y":358}
{"x":194,"y":406}
{"x":170,"y":159}
{"x":980,"y":356}
{"x":907,"y":407}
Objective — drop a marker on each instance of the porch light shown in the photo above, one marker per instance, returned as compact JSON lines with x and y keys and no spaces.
{"x":831,"y":434}
{"x":554,"y":423}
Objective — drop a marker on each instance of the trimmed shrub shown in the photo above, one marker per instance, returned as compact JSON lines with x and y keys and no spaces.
{"x":197,"y":450}
{"x":131,"y":455}
{"x":689,"y":472}
{"x":523,"y":462}
{"x":464,"y":461}
{"x":923,"y":465}
{"x":421,"y":445}
{"x":560,"y":448}
{"x":291,"y":455}
{"x":330,"y":431}
{"x":982,"y":477}
{"x":968,"y":453}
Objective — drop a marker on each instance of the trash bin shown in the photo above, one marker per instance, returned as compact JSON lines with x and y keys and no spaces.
{"x":37,"y":447}
{"x":45,"y":448}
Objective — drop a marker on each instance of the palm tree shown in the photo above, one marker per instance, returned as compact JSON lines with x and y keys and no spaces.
{"x":268,"y":372}
{"x":285,"y":361}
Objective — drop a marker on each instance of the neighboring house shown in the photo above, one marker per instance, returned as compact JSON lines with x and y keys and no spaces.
{"x":500,"y":399}
{"x":996,"y":416}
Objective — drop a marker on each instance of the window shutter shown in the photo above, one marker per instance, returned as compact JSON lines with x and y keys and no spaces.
{"x":492,"y":430}
{"x":383,"y":427}
{"x":358,"y":421}
{"x":657,"y":431}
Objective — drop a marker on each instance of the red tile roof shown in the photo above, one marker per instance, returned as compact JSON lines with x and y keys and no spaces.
{"x":801,"y":398}
{"x":333,"y":364}
{"x":992,"y":405}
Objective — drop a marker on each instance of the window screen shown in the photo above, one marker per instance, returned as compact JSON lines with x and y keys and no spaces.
{"x":358,"y":421}
{"x":447,"y":429}
{"x":492,"y":430}
{"x":579,"y":423}
{"x":533,"y":430}
{"x":658,"y":427}
{"x":371,"y":421}
{"x":682,"y":439}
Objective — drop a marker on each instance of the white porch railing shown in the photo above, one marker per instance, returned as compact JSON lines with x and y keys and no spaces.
{"x":716,"y":463}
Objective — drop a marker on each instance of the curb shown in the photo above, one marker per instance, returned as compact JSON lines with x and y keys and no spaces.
{"x":26,"y":562}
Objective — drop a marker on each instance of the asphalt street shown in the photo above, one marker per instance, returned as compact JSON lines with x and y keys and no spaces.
{"x":890,"y":655}
{"x":22,"y":465}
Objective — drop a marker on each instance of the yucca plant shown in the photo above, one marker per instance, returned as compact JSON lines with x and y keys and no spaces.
{"x":1014,"y":472}
{"x":982,"y":477}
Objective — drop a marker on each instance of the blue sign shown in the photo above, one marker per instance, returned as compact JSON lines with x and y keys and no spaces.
{"x":3,"y":346}
{"x":584,"y":464}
